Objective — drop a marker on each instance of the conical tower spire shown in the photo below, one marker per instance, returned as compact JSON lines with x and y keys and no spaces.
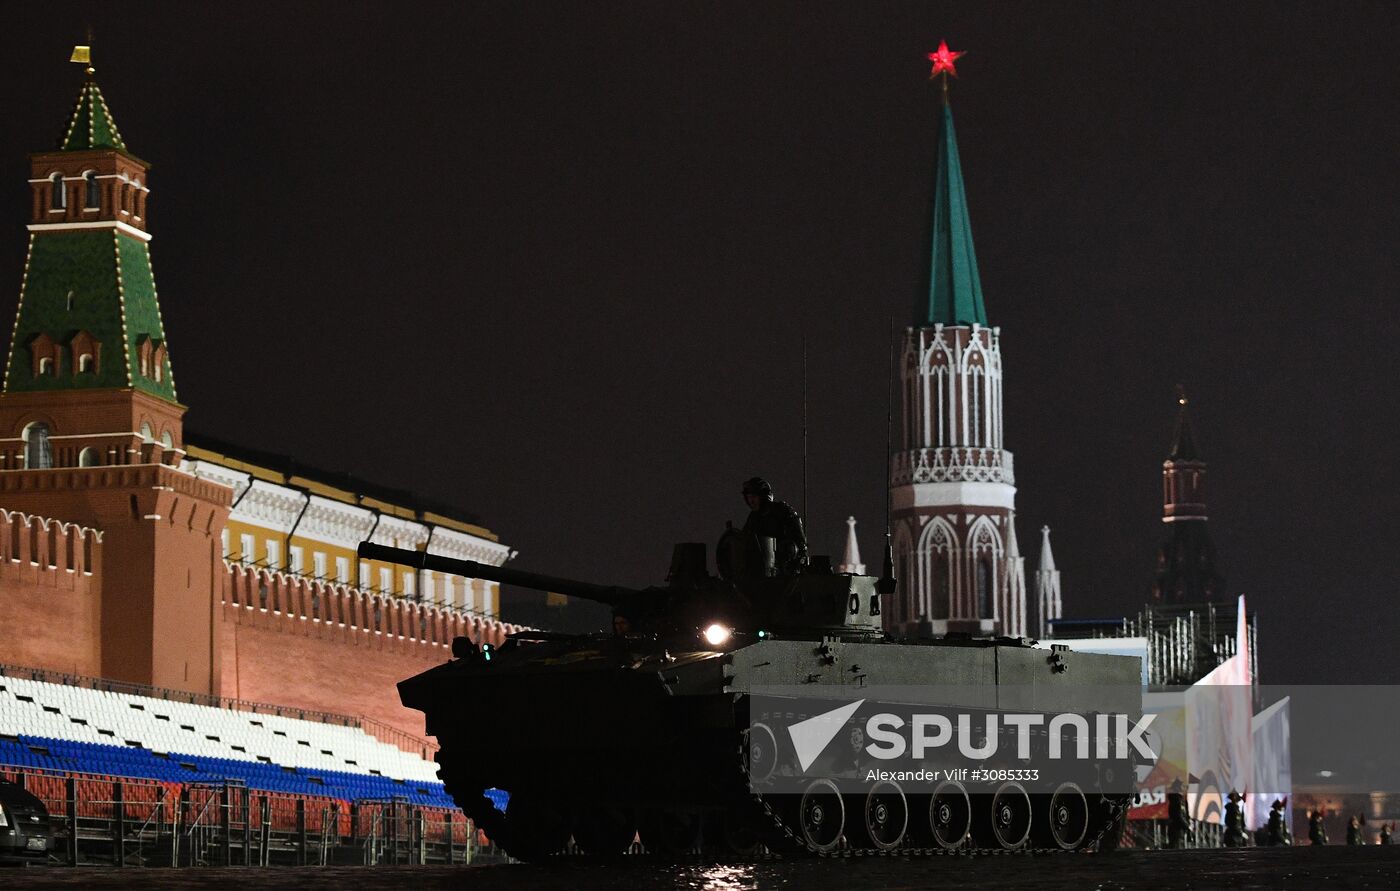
{"x":1047,"y":557}
{"x":954,"y":285}
{"x":1049,"y":606}
{"x":1183,"y":441}
{"x":91,"y":125}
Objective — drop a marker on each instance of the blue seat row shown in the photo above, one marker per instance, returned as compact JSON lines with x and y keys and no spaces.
{"x":141,"y":763}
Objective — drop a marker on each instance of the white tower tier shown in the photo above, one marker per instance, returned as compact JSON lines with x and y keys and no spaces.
{"x":953,"y":493}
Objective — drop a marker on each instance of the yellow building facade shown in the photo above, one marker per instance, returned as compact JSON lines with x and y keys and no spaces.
{"x":304,"y":522}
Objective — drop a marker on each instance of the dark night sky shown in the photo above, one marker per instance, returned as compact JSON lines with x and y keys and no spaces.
{"x":553,"y":263}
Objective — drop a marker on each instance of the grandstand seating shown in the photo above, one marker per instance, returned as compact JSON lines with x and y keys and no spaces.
{"x":81,"y":730}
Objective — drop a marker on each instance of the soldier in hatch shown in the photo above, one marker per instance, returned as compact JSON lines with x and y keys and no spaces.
{"x":776,"y":520}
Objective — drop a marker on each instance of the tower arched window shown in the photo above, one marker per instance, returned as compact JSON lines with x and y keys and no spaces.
{"x":984,"y":587}
{"x":89,"y":457}
{"x":46,"y":365}
{"x":905,"y":608}
{"x":58,"y":198}
{"x":92,"y":195}
{"x":938,"y":585}
{"x":975,"y":404}
{"x":85,"y":363}
{"x":37,"y":455}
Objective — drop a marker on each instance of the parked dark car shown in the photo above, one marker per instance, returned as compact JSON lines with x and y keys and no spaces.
{"x":25,"y":836}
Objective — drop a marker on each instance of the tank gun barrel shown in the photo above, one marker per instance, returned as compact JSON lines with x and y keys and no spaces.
{"x":610,"y":595}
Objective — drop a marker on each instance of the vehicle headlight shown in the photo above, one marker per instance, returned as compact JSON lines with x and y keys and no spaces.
{"x":716,"y":635}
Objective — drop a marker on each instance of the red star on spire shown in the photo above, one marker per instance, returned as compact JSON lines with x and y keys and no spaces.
{"x":943,"y":60}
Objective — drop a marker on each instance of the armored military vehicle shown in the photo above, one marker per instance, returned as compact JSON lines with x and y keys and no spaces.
{"x":658,"y":727}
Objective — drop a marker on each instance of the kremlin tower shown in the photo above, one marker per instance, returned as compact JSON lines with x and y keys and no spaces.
{"x":953,"y":493}
{"x":1186,"y":560}
{"x":96,"y":429}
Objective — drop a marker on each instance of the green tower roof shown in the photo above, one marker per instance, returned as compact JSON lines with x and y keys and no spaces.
{"x":954,"y":287}
{"x":91,"y":126}
{"x":94,"y":285}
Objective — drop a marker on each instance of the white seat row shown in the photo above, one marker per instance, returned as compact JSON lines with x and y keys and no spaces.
{"x":80,"y":714}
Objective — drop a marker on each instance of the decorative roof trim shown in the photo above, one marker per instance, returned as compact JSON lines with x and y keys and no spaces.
{"x":121,"y":304}
{"x":155,"y":295}
{"x":104,"y":224}
{"x":14,"y":330}
{"x":276,"y":507}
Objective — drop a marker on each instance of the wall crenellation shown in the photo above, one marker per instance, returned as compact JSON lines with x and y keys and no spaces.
{"x":48,"y":545}
{"x":325,"y":608}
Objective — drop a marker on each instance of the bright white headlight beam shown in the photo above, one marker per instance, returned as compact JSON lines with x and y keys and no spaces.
{"x":716,"y":634}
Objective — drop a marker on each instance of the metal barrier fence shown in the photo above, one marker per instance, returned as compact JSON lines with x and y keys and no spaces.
{"x":132,"y":822}
{"x":1156,"y":834}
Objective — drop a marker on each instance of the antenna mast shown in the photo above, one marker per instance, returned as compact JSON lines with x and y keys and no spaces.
{"x":887,"y":582}
{"x":806,"y":516}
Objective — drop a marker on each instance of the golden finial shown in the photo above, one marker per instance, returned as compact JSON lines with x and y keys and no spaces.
{"x":82,"y":55}
{"x":1180,"y":394}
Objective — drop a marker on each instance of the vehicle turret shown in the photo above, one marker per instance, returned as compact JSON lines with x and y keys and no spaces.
{"x":748,"y":601}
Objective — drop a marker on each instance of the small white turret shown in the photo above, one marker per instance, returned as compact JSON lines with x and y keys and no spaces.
{"x":850,"y":557}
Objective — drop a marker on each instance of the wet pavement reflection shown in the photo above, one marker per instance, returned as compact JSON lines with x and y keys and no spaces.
{"x":1314,"y":869}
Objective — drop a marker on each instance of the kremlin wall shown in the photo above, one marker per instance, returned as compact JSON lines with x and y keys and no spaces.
{"x":129,"y":552}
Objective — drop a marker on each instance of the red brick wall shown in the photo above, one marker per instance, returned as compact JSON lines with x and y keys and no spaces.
{"x":268,"y":661}
{"x":307,"y":644}
{"x":50,"y":601}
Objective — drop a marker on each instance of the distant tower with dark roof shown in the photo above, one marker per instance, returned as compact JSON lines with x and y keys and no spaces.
{"x":1186,"y":571}
{"x":953,"y":492}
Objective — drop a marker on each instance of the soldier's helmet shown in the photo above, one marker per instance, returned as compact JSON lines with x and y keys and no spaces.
{"x":758,"y":486}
